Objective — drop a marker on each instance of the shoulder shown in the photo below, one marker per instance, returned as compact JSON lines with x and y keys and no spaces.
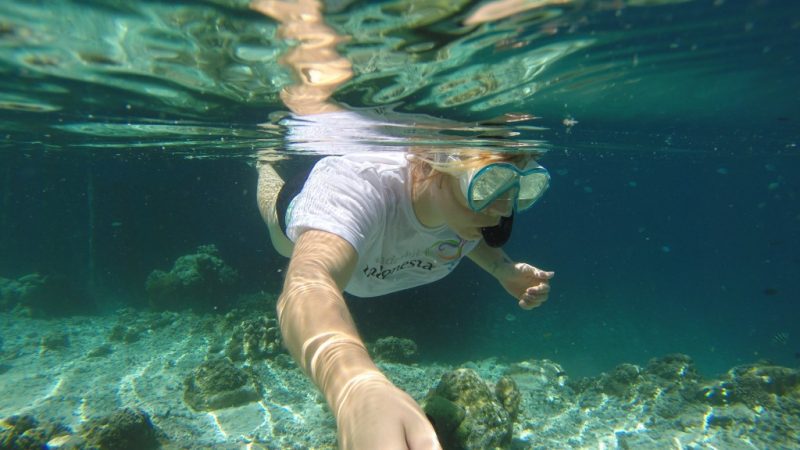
{"x":349,"y":196}
{"x":365,"y":171}
{"x":367,"y":161}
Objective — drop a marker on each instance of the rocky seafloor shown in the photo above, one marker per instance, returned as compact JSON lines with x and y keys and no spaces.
{"x":137,"y":379}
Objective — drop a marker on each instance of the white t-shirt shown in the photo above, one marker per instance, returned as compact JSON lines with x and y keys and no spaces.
{"x":365,"y":198}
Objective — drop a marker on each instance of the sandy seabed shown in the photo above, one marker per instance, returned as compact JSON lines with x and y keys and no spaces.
{"x":68,"y":371}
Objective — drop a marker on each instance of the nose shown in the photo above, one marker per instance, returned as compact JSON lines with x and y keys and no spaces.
{"x":501,"y":207}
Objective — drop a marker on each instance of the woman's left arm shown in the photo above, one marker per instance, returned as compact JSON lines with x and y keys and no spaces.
{"x":528,"y":284}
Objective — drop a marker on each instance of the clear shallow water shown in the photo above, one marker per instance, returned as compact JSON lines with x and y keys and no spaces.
{"x":200,"y":78}
{"x":672,"y":222}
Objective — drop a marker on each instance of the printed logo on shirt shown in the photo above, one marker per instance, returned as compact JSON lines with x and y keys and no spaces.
{"x":382,"y":272}
{"x":447,"y":251}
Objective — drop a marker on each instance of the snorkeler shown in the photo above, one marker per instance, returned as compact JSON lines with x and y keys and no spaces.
{"x":371,"y":223}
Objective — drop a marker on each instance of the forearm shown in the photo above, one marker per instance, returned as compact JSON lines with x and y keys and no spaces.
{"x":315,"y":323}
{"x":490,"y":259}
{"x":320,"y":334}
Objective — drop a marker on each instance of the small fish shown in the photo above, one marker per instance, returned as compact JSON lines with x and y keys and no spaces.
{"x":569,"y":122}
{"x":781,"y":338}
{"x":770,"y":291}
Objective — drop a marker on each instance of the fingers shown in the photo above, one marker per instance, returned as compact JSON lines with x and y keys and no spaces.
{"x":535,"y":271}
{"x":385,"y":418}
{"x":422,"y":437}
{"x":544,"y":274}
{"x":534,"y":296}
{"x":419,"y":432}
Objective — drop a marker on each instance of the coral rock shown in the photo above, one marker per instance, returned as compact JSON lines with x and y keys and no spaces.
{"x":486,"y":423}
{"x":255,"y":339}
{"x":753,"y":385}
{"x":25,"y":432}
{"x":674,"y":367}
{"x":200,"y":281}
{"x":508,"y":394}
{"x":394,"y":349}
{"x":37,"y":295}
{"x":126,"y":429}
{"x":217,"y":383}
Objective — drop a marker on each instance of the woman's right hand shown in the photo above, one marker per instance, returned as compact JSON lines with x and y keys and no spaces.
{"x":375,"y":414}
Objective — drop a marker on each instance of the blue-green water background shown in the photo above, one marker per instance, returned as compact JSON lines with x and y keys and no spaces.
{"x":128,"y":133}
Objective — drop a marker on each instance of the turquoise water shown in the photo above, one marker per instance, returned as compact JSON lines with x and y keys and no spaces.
{"x":128,"y":134}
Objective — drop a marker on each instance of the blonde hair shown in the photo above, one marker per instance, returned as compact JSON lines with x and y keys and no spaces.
{"x":426,"y":165}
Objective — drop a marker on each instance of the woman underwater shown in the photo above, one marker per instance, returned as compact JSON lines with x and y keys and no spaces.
{"x":370,"y":223}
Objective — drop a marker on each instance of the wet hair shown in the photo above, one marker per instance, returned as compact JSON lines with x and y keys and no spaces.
{"x":426,"y":165}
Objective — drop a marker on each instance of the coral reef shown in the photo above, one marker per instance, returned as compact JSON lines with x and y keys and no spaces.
{"x":754,"y":385}
{"x":255,"y":339}
{"x":37,"y":295}
{"x":124,"y":333}
{"x":200,"y":281}
{"x":132,"y":326}
{"x":466,"y":413}
{"x":25,"y":432}
{"x":508,"y":394}
{"x":489,"y":403}
{"x":217,"y":383}
{"x":672,"y":378}
{"x":671,"y":402}
{"x":674,"y":367}
{"x":547,"y":379}
{"x":126,"y":429}
{"x":394,"y":350}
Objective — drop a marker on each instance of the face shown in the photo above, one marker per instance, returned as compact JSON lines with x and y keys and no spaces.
{"x":459,"y":217}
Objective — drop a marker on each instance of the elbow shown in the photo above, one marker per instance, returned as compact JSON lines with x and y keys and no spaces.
{"x":301,"y":299}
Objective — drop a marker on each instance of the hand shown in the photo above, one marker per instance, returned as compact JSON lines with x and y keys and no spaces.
{"x":526,"y":283}
{"x":375,"y":414}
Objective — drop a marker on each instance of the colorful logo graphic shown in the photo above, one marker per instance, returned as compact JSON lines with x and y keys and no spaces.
{"x":446,"y":250}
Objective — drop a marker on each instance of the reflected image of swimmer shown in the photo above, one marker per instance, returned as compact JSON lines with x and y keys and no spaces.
{"x":371,"y":223}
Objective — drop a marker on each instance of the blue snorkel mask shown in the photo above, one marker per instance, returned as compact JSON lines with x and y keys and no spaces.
{"x":501,"y":180}
{"x":484,"y":185}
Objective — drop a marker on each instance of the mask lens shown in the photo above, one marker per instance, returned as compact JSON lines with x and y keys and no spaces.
{"x":496,"y":180}
{"x":488,"y":184}
{"x":531,"y":188}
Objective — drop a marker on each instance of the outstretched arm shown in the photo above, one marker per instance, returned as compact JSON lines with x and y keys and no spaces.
{"x":528,"y":284}
{"x":321,"y":335}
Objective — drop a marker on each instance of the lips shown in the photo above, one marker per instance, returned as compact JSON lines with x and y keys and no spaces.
{"x":472,"y":234}
{"x":488,"y":222}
